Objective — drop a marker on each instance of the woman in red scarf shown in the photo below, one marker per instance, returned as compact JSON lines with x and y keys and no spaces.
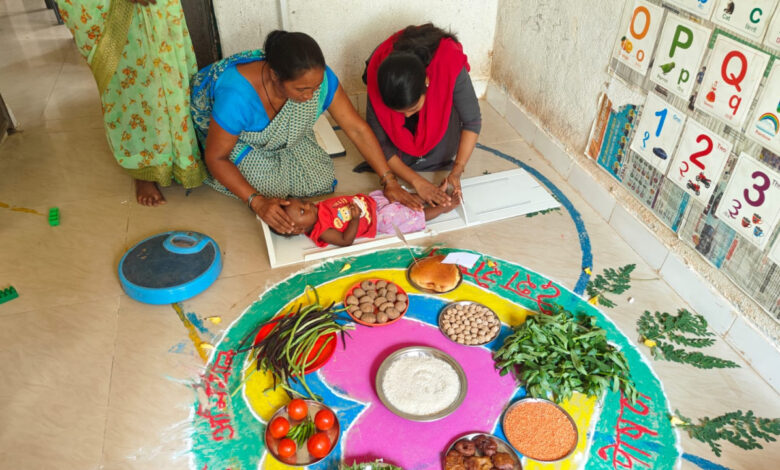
{"x":422,"y":108}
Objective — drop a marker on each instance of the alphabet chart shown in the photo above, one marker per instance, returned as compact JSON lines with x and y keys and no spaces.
{"x":679,"y":53}
{"x":636,"y":44}
{"x":764,"y":127}
{"x":733,"y":74}
{"x":751,"y":202}
{"x":746,"y":17}
{"x":699,"y":161}
{"x":658,"y":131}
{"x":701,"y":8}
{"x":772,"y":38}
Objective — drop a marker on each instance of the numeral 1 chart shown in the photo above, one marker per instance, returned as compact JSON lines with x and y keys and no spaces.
{"x":657,"y":133}
{"x":751,"y":203}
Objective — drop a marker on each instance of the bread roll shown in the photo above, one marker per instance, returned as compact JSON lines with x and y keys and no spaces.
{"x":430,"y":273}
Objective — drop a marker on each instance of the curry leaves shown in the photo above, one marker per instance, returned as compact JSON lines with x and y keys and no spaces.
{"x":561,"y":354}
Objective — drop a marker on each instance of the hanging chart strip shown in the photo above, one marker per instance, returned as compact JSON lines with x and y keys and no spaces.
{"x":733,"y":74}
{"x":765,"y":125}
{"x":702,"y":8}
{"x":636,"y":44}
{"x":699,"y":161}
{"x":679,"y":54}
{"x":746,"y":17}
{"x":751,"y":201}
{"x":658,"y":131}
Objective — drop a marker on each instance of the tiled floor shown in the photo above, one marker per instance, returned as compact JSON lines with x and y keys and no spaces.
{"x":92,"y":379}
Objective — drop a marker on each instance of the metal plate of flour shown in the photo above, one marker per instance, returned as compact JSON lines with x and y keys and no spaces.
{"x":421,"y":351}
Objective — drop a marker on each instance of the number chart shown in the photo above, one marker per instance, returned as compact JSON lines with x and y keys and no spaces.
{"x":636,"y":44}
{"x":699,"y":161}
{"x":730,"y":82}
{"x":658,"y":131}
{"x":751,"y":201}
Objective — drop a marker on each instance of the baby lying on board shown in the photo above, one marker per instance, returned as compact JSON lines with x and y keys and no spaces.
{"x":339,"y":220}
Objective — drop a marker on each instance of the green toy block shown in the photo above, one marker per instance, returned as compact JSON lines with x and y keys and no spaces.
{"x":9,"y":293}
{"x":54,"y":216}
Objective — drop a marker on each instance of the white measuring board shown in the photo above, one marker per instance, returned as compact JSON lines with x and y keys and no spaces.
{"x":327,"y":138}
{"x":486,"y":198}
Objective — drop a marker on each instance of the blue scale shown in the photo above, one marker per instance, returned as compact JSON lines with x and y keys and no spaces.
{"x":170,"y":267}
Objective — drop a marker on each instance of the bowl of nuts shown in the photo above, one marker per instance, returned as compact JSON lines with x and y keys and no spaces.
{"x":376,"y":302}
{"x":469,"y":323}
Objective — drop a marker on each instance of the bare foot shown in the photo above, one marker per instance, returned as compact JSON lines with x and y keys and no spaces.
{"x":434,"y":211}
{"x":148,"y":194}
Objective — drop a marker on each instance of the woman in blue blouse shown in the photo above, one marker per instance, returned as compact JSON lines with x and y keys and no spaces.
{"x":254,"y":113}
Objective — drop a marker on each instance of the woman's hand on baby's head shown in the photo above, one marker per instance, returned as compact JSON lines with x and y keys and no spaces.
{"x":272,"y":213}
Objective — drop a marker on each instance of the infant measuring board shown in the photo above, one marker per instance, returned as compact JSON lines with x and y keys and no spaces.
{"x":486,"y":198}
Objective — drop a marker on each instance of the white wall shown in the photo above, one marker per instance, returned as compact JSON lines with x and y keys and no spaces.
{"x":552,"y":57}
{"x":349,"y":30}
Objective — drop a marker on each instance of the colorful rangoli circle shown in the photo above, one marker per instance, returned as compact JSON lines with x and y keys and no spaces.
{"x":232,"y":407}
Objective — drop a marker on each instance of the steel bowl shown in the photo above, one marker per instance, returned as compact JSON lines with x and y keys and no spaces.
{"x":467,"y":302}
{"x":302,"y":456}
{"x":503,"y":446}
{"x":542,"y":400}
{"x":421,"y":351}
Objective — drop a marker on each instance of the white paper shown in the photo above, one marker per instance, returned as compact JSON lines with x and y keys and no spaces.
{"x":699,"y":161}
{"x":467,"y":260}
{"x":658,"y":131}
{"x":733,"y":74}
{"x":701,"y":8}
{"x":772,"y":38}
{"x":746,"y":17}
{"x":764,"y":127}
{"x":751,"y":202}
{"x":636,"y":45}
{"x":679,"y":54}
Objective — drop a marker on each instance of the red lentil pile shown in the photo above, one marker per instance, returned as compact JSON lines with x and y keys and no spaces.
{"x":540,"y":431}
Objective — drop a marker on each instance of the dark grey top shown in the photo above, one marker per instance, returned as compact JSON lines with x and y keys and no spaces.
{"x":465,"y":115}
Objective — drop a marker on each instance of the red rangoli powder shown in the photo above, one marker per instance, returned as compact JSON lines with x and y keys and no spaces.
{"x":540,"y":431}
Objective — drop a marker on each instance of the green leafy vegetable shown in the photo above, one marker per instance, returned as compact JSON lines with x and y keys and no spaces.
{"x":613,"y":281}
{"x":561,"y":354}
{"x":658,"y":331}
{"x":741,"y":429}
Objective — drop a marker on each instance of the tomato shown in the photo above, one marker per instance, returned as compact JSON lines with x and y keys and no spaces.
{"x":279,"y":427}
{"x":286,"y":448}
{"x":297,"y":409}
{"x":318,"y":445}
{"x":324,"y":419}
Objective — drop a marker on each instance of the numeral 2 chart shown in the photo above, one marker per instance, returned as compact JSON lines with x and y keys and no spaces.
{"x":699,"y":161}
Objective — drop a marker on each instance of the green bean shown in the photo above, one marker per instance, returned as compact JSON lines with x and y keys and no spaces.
{"x":285,"y":350}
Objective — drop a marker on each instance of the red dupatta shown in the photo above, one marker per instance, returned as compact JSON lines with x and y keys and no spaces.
{"x":434,"y":116}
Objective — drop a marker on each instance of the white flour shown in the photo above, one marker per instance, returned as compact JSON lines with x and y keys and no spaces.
{"x":420,"y":385}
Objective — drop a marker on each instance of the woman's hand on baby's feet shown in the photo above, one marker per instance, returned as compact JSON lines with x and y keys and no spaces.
{"x":454,"y":202}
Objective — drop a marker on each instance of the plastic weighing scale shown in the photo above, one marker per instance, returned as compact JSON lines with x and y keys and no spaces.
{"x":170,"y":267}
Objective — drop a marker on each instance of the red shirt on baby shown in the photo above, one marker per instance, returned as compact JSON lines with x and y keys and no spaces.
{"x":334,"y":213}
